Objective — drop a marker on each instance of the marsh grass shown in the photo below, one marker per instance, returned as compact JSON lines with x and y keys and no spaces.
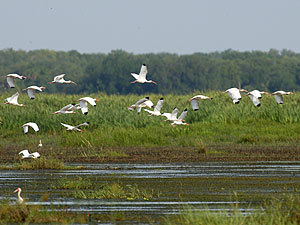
{"x":85,"y":188}
{"x":112,"y":125}
{"x":284,"y":209}
{"x":30,"y":214}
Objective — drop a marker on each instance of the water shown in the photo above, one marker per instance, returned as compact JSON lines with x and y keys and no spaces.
{"x":201,"y":185}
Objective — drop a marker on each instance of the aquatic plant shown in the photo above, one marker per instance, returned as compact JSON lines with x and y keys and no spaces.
{"x":29,"y":214}
{"x":41,"y":163}
{"x":283,"y":209}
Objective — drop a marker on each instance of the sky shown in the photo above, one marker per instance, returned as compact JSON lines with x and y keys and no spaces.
{"x":150,"y":26}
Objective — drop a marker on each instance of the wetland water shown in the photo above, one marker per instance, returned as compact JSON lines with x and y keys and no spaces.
{"x":201,"y":185}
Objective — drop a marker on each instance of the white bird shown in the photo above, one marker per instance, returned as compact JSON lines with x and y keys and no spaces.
{"x":30,"y":124}
{"x":255,"y":95}
{"x":60,"y":79}
{"x":26,"y":155}
{"x":156,"y":111}
{"x":68,"y":109}
{"x":83,"y":102}
{"x":13,"y":100}
{"x":141,"y":77}
{"x":40,"y":144}
{"x":70,"y":127}
{"x":31,"y":89}
{"x":235,"y":95}
{"x":144,"y":102}
{"x":195,"y":101}
{"x":171,"y":116}
{"x":180,"y":120}
{"x":20,"y":200}
{"x":10,"y":78}
{"x":279,"y":95}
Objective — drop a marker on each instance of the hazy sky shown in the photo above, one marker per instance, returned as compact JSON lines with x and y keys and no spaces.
{"x":140,"y":26}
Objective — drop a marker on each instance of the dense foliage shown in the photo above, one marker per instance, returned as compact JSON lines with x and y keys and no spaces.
{"x":110,"y":73}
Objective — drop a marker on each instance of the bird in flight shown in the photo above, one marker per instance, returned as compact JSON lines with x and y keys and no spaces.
{"x":157,"y":108}
{"x":34,"y":126}
{"x":141,"y":77}
{"x":31,"y":89}
{"x":60,"y":79}
{"x":76,"y":128}
{"x":195,"y":101}
{"x":13,"y":100}
{"x":10,"y":79}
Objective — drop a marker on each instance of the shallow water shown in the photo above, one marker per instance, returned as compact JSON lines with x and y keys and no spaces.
{"x":201,"y":185}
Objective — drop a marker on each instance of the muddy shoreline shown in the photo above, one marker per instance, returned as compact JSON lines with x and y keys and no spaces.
{"x":164,"y":154}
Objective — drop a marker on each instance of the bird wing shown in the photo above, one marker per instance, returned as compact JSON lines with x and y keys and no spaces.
{"x":235,"y":94}
{"x":59,"y":77}
{"x":255,"y":100}
{"x":83,"y":106}
{"x":141,"y":101}
{"x":30,"y":93}
{"x":139,"y":109}
{"x":143,"y":72}
{"x":279,"y":99}
{"x":183,"y":115}
{"x":35,"y":155}
{"x":25,"y":153}
{"x":168,"y":115}
{"x":13,"y":98}
{"x":25,"y":129}
{"x":136,"y":76}
{"x":174,"y":114}
{"x":67,"y":126}
{"x":195,"y":104}
{"x":82,"y":124}
{"x":34,"y":126}
{"x":10,"y":82}
{"x":148,"y":104}
{"x":159,"y":105}
{"x":66,"y":108}
{"x":89,"y":100}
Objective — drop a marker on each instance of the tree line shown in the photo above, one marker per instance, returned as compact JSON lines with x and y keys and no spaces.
{"x":175,"y":74}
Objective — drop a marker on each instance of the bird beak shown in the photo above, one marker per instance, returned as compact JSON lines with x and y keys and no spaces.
{"x":191,"y":99}
{"x":16,"y":190}
{"x":74,"y":83}
{"x":153,"y":82}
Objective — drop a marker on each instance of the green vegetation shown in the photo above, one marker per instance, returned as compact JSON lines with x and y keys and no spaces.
{"x":41,"y":163}
{"x":85,"y":188}
{"x":280,"y":210}
{"x":113,"y":127}
{"x":37,"y":214}
{"x":110,"y":73}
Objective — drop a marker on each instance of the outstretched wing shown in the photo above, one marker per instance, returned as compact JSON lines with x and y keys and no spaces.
{"x":255,"y":100}
{"x":143,"y":72}
{"x":13,"y":98}
{"x":30,"y":93}
{"x":34,"y":126}
{"x":159,"y":105}
{"x":174,"y":113}
{"x":84,"y":107}
{"x":183,"y":115}
{"x":67,"y":126}
{"x":10,"y":82}
{"x":195,"y":104}
{"x":59,"y":77}
{"x":279,"y":99}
